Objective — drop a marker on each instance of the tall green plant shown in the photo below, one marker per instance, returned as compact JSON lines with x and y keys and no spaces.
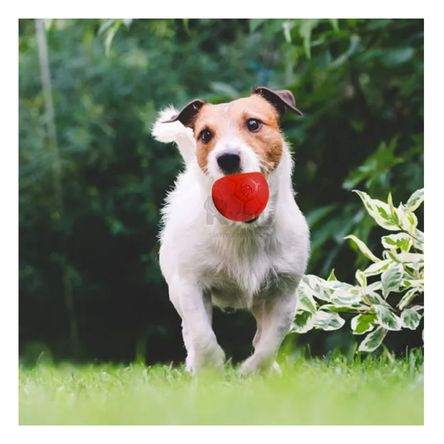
{"x":385,"y":296}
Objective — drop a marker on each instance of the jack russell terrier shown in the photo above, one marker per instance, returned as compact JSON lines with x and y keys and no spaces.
{"x":208,"y":260}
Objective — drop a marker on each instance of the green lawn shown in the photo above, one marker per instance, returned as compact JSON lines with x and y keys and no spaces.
{"x":309,"y":391}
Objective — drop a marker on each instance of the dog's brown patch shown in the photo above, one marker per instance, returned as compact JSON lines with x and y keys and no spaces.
{"x":229,"y":119}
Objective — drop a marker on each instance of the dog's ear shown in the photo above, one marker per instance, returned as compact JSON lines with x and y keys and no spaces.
{"x":188,"y":113}
{"x":281,"y":99}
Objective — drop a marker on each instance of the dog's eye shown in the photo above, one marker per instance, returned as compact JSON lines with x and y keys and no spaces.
{"x":206,"y":135}
{"x":254,"y":125}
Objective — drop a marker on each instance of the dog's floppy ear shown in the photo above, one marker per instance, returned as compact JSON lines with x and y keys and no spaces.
{"x":187,"y":114}
{"x":281,"y":99}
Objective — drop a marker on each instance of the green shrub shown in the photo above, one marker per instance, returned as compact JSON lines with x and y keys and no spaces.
{"x":383,"y":299}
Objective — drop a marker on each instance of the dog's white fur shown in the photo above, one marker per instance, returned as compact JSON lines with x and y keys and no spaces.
{"x":208,"y":260}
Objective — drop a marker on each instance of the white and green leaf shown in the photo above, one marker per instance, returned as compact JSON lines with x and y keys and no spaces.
{"x":342,"y":293}
{"x":374,"y":286}
{"x":343,"y":308}
{"x":363,"y":248}
{"x":374,"y":298}
{"x":363,"y":323}
{"x":408,"y":297}
{"x":361,"y":278}
{"x":386,"y":318}
{"x":305,"y":300}
{"x":391,"y":278}
{"x":415,"y":200}
{"x":317,"y":286}
{"x":377,"y":268}
{"x":373,"y":340}
{"x":379,"y":211}
{"x":303,"y":322}
{"x":407,"y":219}
{"x":418,"y":241}
{"x":408,"y":258}
{"x":328,"y":321}
{"x":401,"y":241}
{"x":411,"y":317}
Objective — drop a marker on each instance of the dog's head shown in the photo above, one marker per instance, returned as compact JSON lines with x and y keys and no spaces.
{"x":240,"y":136}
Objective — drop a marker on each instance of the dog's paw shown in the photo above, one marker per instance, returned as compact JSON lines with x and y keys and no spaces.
{"x":276,"y":369}
{"x":255,"y":364}
{"x":249,"y":366}
{"x":211,"y":358}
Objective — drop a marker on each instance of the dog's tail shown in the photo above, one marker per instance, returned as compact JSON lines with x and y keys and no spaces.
{"x":168,"y":132}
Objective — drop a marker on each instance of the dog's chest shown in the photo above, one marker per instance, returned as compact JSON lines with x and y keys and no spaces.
{"x":241,"y":266}
{"x":235,"y":284}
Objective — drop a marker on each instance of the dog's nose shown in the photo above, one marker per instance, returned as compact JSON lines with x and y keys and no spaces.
{"x":229,"y":163}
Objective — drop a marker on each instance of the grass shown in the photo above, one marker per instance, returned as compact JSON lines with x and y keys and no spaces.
{"x":309,"y":391}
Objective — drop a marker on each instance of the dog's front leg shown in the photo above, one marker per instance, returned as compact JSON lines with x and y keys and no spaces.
{"x":196,"y":312}
{"x":274,"y":317}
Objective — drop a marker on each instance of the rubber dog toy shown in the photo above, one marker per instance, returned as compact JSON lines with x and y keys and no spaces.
{"x":241,"y":197}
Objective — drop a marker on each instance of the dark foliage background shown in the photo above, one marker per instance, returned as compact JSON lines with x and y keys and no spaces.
{"x":90,"y":285}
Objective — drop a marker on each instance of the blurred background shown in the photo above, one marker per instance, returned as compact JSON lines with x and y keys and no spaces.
{"x":92,"y":180}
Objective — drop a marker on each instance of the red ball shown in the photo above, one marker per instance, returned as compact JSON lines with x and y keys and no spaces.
{"x":241,"y":197}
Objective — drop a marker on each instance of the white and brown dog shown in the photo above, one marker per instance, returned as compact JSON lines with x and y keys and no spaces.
{"x":208,"y":260}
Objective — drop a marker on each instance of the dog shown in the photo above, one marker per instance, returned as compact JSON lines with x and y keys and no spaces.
{"x":208,"y":260}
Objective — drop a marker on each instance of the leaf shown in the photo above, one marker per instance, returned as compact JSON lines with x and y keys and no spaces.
{"x":109,"y":28}
{"x":303,"y":322}
{"x":411,"y":318}
{"x":399,"y":240}
{"x":387,"y":319}
{"x":334,"y":24}
{"x":328,"y":321}
{"x":407,"y":220}
{"x":317,"y":285}
{"x":332,"y":276}
{"x":287,"y":26}
{"x":375,"y":286}
{"x":363,"y":248}
{"x":351,"y":50}
{"x":305,"y":32}
{"x":379,"y":211}
{"x":361,"y":278}
{"x":409,"y":258}
{"x":373,"y":340}
{"x":375,"y":299}
{"x":106,"y":25}
{"x":305,"y":299}
{"x":343,"y":308}
{"x":414,"y":283}
{"x":319,"y":214}
{"x":391,"y":278}
{"x":419,"y":240}
{"x":398,"y":56}
{"x":377,"y":268}
{"x":378,"y":165}
{"x":342,"y":293}
{"x":415,"y":200}
{"x":408,"y":297}
{"x":393,"y":211}
{"x":363,"y":323}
